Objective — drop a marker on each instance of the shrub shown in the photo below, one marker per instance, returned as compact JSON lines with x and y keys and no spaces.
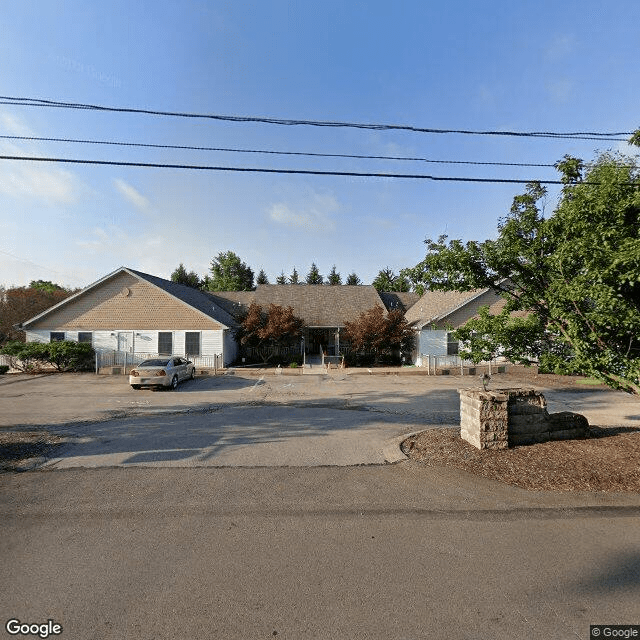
{"x":64,"y":356}
{"x":4,"y":368}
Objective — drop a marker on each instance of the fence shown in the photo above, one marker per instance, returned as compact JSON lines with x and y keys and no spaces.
{"x":455,"y":364}
{"x":125,"y":359}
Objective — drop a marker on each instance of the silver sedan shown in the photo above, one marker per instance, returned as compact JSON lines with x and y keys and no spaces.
{"x":163,"y":372}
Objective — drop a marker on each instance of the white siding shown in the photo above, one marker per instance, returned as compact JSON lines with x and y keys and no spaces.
{"x":37,"y":336}
{"x":433,"y":342}
{"x":212,"y":343}
{"x":104,"y":341}
{"x":145,"y":342}
{"x":230,"y":347}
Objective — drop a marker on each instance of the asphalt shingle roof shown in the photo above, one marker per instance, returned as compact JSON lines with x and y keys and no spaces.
{"x":434,"y":305}
{"x":317,"y":305}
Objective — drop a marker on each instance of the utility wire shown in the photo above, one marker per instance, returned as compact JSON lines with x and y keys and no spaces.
{"x":271,"y":152}
{"x":284,"y":171}
{"x":578,"y":135}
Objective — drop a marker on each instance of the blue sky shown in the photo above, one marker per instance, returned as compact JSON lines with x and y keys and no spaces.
{"x":523,"y":66}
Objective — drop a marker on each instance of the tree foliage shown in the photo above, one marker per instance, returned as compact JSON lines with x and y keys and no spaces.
{"x":269,"y":332}
{"x":378,"y":334}
{"x":229,"y":273}
{"x":45,"y":285}
{"x":294,"y":278}
{"x":353,"y":279}
{"x":188,"y":278}
{"x":577,"y":274}
{"x":334,"y":277}
{"x":387,"y":280}
{"x":314,"y":276}
{"x":19,"y":304}
{"x":262,"y":277}
{"x":281,"y":279}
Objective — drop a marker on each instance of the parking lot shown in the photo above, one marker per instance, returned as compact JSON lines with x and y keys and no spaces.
{"x":258,"y":418}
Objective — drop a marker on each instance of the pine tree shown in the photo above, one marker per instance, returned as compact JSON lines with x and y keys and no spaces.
{"x":314,"y":276}
{"x":334,"y":277}
{"x":262,"y":278}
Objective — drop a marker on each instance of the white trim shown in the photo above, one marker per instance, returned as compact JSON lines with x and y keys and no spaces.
{"x":46,"y":312}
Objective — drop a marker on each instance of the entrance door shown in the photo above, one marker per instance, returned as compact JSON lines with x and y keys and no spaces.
{"x":124,"y":341}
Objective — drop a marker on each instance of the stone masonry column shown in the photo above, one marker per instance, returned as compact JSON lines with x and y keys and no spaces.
{"x":484,"y":418}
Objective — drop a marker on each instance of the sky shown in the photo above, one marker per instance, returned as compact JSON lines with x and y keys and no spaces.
{"x":494,"y":65}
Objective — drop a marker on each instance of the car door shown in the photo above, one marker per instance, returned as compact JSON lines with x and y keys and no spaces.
{"x":180,"y":368}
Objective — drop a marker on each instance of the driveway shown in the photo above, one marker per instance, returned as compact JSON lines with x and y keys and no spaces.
{"x":258,"y":420}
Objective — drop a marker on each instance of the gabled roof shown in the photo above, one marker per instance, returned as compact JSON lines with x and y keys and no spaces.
{"x":437,"y":305}
{"x":199,"y":300}
{"x":317,"y":305}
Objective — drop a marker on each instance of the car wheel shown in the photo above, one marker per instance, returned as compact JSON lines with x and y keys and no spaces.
{"x":193,"y":373}
{"x":135,"y":386}
{"x":174,"y":383}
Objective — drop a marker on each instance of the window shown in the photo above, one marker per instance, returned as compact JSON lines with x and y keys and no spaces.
{"x":165,"y":342}
{"x":56,"y":336}
{"x":192,"y":343}
{"x":452,"y":345}
{"x":84,"y":336}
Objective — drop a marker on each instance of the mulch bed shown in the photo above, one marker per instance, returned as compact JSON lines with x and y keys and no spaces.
{"x":608,"y":461}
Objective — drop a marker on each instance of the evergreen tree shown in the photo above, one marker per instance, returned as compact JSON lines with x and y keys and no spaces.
{"x":334,"y":277}
{"x":314,"y":276}
{"x":190,"y":279}
{"x":294,"y":278}
{"x":281,"y":279}
{"x":262,"y":278}
{"x":353,"y":280}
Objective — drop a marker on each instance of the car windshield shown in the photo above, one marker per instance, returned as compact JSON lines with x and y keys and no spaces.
{"x":155,"y":362}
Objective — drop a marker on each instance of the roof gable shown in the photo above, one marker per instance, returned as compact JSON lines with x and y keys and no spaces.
{"x":101,"y":304}
{"x":435,"y":306}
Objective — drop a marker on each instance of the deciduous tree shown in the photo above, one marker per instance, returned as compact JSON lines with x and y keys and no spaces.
{"x":229,"y":273}
{"x":379,"y":334}
{"x":576,"y":273}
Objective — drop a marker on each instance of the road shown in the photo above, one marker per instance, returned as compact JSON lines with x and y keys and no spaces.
{"x":393,"y":551}
{"x":176,"y":541}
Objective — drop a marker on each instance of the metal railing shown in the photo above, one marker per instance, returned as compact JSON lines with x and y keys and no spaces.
{"x":455,"y":364}
{"x":128,"y":360}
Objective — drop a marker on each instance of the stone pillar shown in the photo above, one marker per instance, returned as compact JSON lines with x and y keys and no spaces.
{"x":484,"y":418}
{"x":509,"y":417}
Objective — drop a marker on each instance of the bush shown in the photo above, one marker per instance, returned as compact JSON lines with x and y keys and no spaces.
{"x":4,"y":368}
{"x":35,"y":356}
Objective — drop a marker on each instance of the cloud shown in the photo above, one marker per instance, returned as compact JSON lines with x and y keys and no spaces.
{"x":14,"y":126}
{"x":561,"y":91}
{"x":132,"y":195}
{"x":560,"y":47}
{"x":313,"y":216}
{"x":24,"y":179}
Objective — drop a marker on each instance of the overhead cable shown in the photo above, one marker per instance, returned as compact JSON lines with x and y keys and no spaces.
{"x":272,"y":152}
{"x":283,"y":171}
{"x":578,"y":135}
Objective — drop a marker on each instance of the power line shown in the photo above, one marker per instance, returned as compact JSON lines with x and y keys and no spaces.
{"x":272,"y":152}
{"x":578,"y":135}
{"x":283,"y":171}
